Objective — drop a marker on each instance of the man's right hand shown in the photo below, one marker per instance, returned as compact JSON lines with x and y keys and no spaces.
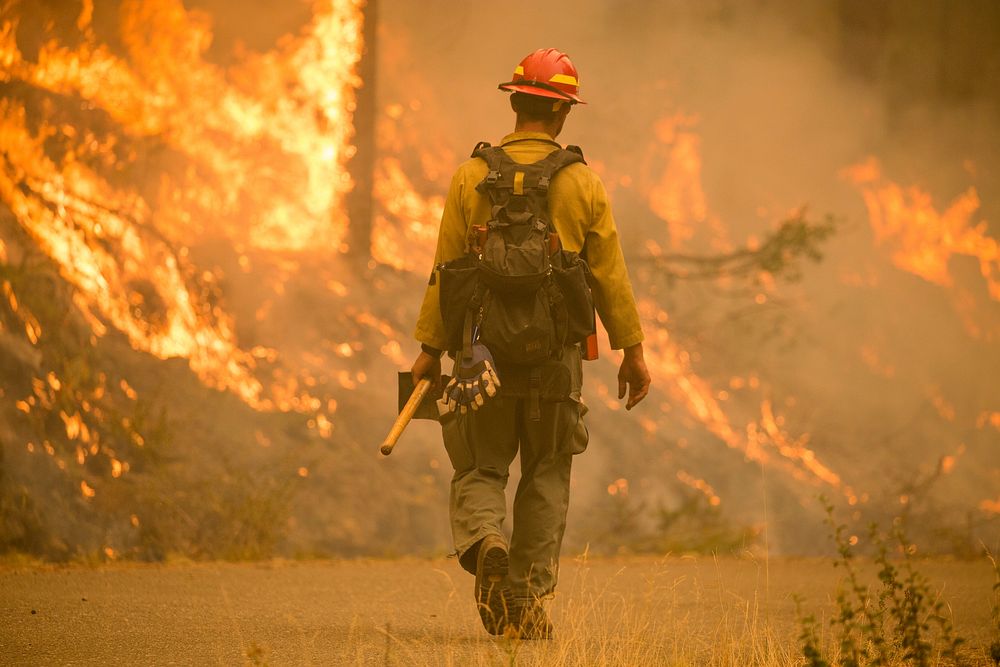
{"x":633,"y":376}
{"x":427,"y":366}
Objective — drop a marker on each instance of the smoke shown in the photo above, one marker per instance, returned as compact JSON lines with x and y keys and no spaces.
{"x":710,"y":123}
{"x":886,"y":378}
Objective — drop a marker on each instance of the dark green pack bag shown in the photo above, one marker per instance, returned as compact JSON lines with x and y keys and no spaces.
{"x":516,"y":291}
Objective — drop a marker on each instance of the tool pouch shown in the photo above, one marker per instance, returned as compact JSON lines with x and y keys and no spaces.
{"x":459,"y":282}
{"x":571,"y":275}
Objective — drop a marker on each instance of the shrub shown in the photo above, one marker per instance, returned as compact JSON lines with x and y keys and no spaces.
{"x":902,"y":619}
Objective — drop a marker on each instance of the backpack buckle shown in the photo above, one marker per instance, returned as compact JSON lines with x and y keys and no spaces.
{"x":492,"y":177}
{"x":543,"y":182}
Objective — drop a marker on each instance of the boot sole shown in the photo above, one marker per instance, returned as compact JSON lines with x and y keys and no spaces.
{"x":490,"y":595}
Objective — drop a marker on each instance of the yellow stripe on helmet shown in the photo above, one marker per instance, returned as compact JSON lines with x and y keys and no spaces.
{"x":564,"y":78}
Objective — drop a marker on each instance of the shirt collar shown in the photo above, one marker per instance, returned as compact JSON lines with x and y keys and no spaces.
{"x":516,"y":136}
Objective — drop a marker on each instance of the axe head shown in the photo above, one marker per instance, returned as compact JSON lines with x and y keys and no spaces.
{"x":426,"y":409}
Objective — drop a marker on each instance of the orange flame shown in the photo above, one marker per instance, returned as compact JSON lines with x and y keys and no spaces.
{"x":678,"y":196}
{"x":923,"y":239}
{"x":989,"y":417}
{"x":990,"y":506}
{"x":618,"y":487}
{"x":291,"y":106}
{"x":700,"y":485}
{"x":671,"y":365}
{"x":409,"y":243}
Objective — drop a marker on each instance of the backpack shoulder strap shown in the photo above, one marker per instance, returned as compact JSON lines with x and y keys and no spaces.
{"x":578,"y":151}
{"x":479,"y":146}
{"x":557,"y":160}
{"x":498,"y":162}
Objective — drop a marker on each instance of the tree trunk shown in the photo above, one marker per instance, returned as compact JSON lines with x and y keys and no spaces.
{"x":360,"y":209}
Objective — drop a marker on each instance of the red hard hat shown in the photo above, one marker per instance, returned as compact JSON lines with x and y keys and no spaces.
{"x":546,"y":73}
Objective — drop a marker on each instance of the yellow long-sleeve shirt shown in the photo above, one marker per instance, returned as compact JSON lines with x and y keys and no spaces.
{"x":581,"y":214}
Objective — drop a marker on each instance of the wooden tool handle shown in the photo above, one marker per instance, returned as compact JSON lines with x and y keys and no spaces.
{"x":405,"y":416}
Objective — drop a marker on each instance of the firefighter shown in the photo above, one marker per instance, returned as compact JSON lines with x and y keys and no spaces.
{"x":512,"y":581}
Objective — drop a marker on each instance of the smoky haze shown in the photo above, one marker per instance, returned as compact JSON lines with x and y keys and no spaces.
{"x":856,"y":377}
{"x":886,"y":374}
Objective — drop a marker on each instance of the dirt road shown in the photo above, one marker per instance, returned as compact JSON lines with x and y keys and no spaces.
{"x":630,"y":611}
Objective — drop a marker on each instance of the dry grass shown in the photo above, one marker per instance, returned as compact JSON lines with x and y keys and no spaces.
{"x":670,"y":621}
{"x":638,"y":612}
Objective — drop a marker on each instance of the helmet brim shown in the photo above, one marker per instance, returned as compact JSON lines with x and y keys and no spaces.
{"x":539,"y":89}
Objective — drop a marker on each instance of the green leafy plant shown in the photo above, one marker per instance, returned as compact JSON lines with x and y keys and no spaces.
{"x":809,"y":639}
{"x":902,"y":619}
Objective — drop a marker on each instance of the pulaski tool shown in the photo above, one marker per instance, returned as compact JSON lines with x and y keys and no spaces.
{"x":415,"y":402}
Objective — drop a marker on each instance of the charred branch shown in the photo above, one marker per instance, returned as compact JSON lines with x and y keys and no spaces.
{"x":778,"y":255}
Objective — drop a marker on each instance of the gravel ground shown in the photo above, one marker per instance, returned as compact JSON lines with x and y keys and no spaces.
{"x":403,"y":612}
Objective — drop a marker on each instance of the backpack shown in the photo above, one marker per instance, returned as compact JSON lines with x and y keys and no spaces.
{"x":516,"y":291}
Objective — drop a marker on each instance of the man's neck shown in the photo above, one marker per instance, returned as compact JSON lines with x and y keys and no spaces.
{"x":536,"y":126}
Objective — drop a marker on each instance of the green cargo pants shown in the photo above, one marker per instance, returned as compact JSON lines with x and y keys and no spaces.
{"x":482,"y":445}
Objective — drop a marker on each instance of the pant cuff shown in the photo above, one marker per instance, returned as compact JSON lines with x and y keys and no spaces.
{"x":467,"y":551}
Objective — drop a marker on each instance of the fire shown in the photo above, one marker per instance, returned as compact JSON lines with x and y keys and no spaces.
{"x":172,"y":93}
{"x":416,"y":158}
{"x":760,"y":439}
{"x":618,"y":487}
{"x":701,"y":485}
{"x":944,"y":408}
{"x":410,"y":245}
{"x":991,"y":418}
{"x":265,"y":143}
{"x":922,"y":238}
{"x":678,"y":197}
{"x":408,"y":184}
{"x":795,"y":450}
{"x":258,"y":155}
{"x":923,"y":242}
{"x":874,"y":362}
{"x":58,"y":211}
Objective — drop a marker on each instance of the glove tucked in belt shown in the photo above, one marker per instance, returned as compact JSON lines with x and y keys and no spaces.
{"x":475,"y":379}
